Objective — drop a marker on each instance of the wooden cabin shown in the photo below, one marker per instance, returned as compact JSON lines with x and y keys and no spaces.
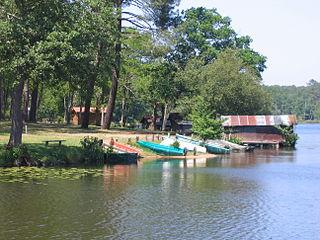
{"x":94,"y":116}
{"x":259,"y":129}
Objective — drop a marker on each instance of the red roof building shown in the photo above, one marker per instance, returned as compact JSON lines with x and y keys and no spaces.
{"x":258,"y":129}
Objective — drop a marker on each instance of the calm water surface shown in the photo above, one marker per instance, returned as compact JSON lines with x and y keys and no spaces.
{"x":267,"y":194}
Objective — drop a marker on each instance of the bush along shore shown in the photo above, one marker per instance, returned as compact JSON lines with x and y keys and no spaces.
{"x":90,"y":152}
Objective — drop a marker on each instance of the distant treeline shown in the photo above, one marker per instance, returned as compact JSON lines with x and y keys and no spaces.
{"x":304,"y":102}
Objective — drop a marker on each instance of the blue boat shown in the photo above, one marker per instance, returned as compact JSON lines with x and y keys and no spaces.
{"x":215,"y":149}
{"x":163,"y":150}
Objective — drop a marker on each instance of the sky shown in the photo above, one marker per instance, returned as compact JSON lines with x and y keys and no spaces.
{"x":287,"y":32}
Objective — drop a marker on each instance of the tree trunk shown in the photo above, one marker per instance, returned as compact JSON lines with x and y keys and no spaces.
{"x":154,"y":117}
{"x":123,"y":113}
{"x":6,"y":102}
{"x":1,"y":98}
{"x":26,"y":100}
{"x":90,"y":89}
{"x":165,"y":116}
{"x":68,"y":102}
{"x":34,"y":104}
{"x":115,"y":73}
{"x":123,"y":109}
{"x":87,"y":104}
{"x":16,"y":115}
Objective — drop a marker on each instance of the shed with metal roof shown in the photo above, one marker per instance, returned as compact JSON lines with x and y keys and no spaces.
{"x":258,"y":129}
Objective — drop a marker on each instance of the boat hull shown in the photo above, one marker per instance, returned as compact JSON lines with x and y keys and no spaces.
{"x":210,"y":147}
{"x":216,"y":150}
{"x":123,"y":147}
{"x":168,"y":141}
{"x":161,"y":149}
{"x":189,"y":139}
{"x":121,"y":158}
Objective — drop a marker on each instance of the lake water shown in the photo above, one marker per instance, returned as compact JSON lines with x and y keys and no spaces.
{"x":266,"y":194}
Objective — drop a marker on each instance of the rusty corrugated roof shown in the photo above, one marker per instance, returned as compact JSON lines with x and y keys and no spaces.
{"x":259,"y":120}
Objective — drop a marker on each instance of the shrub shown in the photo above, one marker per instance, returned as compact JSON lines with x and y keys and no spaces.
{"x":93,"y":151}
{"x":176,"y":144}
{"x":16,"y":156}
{"x":204,"y":123}
{"x":289,"y":136}
{"x":236,"y":139}
{"x":6,"y":158}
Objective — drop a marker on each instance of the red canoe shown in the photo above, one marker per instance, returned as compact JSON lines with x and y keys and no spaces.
{"x":123,"y":147}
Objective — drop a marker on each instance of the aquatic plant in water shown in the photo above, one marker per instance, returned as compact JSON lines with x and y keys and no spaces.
{"x":37,"y":175}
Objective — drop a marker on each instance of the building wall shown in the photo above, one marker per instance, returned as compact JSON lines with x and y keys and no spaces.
{"x":256,"y":134}
{"x":94,"y":119}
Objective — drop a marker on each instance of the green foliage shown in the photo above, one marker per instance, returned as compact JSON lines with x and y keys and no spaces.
{"x":204,"y":33}
{"x":232,"y":87}
{"x":229,"y":86}
{"x":93,"y":151}
{"x":6,"y":158}
{"x":235,"y":139}
{"x":17,"y":155}
{"x":175,"y":144}
{"x":157,"y":83}
{"x":304,"y":101}
{"x":289,"y":136}
{"x":70,"y":56}
{"x":204,"y":123}
{"x":161,"y":12}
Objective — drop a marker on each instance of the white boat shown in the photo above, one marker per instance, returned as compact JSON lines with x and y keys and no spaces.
{"x":168,"y":141}
{"x":233,"y":146}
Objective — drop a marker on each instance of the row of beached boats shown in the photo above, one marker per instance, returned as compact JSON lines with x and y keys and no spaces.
{"x":185,"y":144}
